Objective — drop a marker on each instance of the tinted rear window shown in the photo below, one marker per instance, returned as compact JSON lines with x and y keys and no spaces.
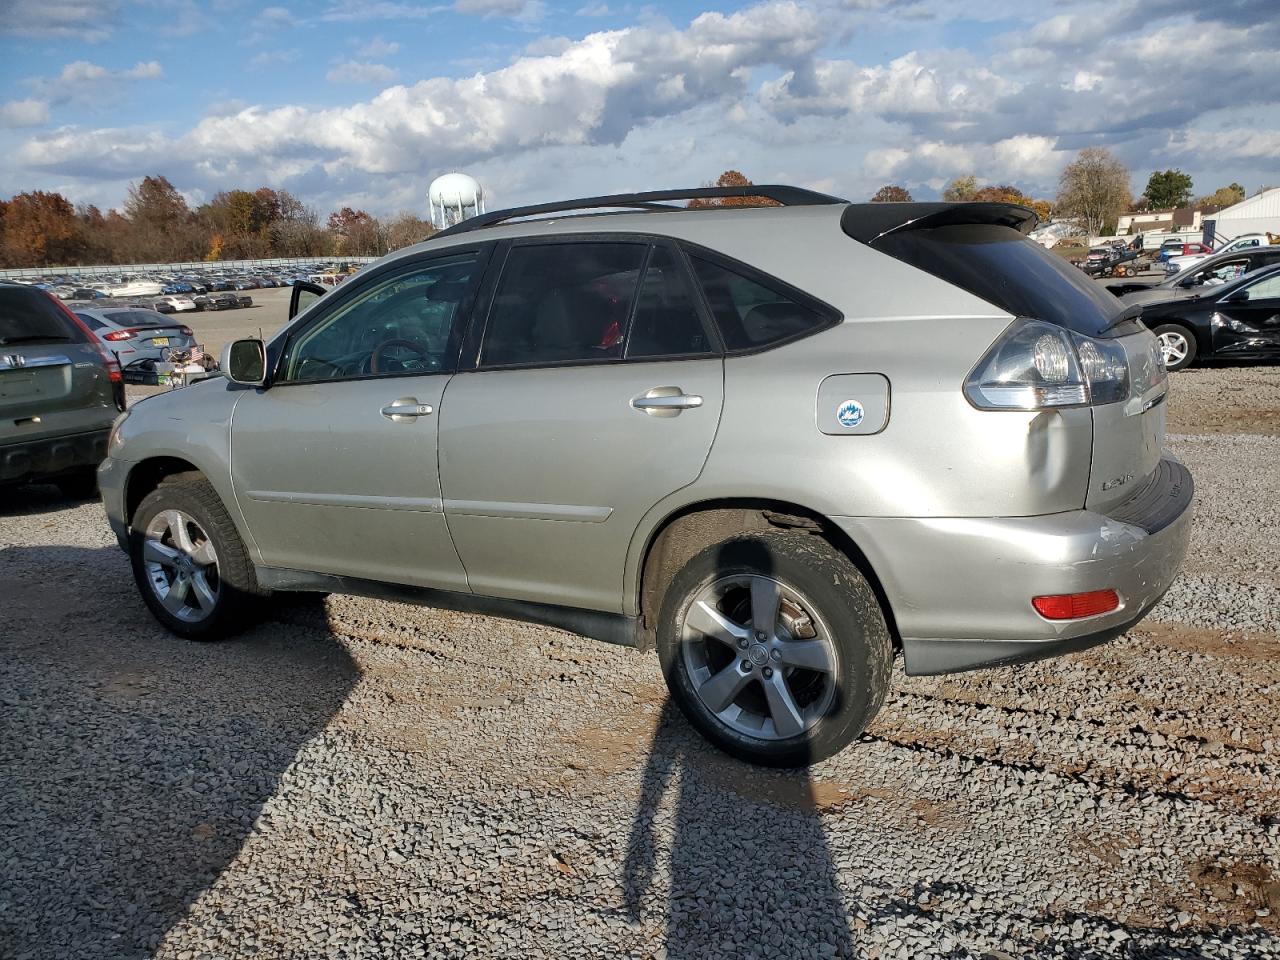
{"x":1007,"y":270}
{"x":754,"y":311}
{"x":139,"y":318}
{"x":30,"y":317}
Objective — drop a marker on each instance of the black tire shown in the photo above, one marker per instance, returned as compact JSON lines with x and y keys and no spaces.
{"x":80,"y":484}
{"x":842,"y":601}
{"x":1182,"y":335}
{"x":238,"y":596}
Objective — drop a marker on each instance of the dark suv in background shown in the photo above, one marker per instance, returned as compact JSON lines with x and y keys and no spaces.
{"x":60,"y":390}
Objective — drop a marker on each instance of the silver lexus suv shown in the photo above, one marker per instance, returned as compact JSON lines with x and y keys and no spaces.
{"x":774,"y":443}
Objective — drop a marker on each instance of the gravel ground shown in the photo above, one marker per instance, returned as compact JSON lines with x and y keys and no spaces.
{"x":363,"y":779}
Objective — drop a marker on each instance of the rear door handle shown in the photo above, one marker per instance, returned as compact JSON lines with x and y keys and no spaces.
{"x":665,"y":401}
{"x":406,"y":410}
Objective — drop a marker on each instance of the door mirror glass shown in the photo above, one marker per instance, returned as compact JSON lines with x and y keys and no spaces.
{"x":304,"y":295}
{"x":245,"y":361}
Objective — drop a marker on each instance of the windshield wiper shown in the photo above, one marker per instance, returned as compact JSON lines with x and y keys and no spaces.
{"x":35,"y":338}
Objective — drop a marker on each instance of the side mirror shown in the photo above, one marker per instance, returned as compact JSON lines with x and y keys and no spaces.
{"x":245,"y":361}
{"x":1240,"y":296}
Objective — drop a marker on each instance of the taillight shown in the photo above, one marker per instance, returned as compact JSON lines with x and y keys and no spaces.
{"x":1076,"y":606}
{"x":186,"y":331}
{"x":115,"y":335}
{"x":1036,"y":365}
{"x":108,"y":358}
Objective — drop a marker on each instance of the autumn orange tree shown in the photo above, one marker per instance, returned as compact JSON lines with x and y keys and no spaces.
{"x":37,"y":229}
{"x":732,"y":178}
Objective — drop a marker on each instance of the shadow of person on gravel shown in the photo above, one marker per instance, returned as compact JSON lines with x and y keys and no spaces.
{"x":751,"y":874}
{"x":750,"y":871}
{"x":133,"y":764}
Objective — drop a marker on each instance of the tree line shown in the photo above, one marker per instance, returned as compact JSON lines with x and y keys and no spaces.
{"x":156,"y":225}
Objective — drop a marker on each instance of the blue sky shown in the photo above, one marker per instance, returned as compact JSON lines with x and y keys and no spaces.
{"x":363,"y":102}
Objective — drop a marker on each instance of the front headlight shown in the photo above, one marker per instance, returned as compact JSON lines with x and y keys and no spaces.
{"x":114,"y":441}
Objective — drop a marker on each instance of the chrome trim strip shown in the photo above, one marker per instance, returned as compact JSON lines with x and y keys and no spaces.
{"x":417,"y":504}
{"x":528,"y":511}
{"x":16,"y":361}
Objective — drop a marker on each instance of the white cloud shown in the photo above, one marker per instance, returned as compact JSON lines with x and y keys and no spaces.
{"x":279,"y":16}
{"x":377,"y":47}
{"x":24,"y":113}
{"x":85,"y":82}
{"x":354,"y":71}
{"x":88,"y":20}
{"x":524,"y":10}
{"x":593,"y":10}
{"x":763,"y":89}
{"x":271,"y":58}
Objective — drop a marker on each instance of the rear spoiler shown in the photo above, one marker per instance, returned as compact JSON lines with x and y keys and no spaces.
{"x":868,"y":222}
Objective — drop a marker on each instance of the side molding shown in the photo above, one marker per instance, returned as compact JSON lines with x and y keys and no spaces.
{"x":612,"y":628}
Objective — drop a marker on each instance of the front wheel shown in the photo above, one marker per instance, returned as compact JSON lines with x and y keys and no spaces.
{"x":775,"y":648}
{"x":189,"y":562}
{"x":1178,"y":345}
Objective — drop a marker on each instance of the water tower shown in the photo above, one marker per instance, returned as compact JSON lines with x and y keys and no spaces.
{"x":454,"y":197}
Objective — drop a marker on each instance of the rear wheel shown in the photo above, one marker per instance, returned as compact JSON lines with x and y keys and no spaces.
{"x":1178,"y":345}
{"x":189,"y":562}
{"x":775,"y":648}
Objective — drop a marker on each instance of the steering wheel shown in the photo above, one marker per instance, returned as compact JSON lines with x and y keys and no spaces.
{"x":376,"y":361}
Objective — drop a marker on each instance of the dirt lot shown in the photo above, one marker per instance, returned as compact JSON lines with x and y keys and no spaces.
{"x":363,"y":779}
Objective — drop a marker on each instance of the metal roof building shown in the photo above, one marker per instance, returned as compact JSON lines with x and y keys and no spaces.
{"x":1258,"y":214}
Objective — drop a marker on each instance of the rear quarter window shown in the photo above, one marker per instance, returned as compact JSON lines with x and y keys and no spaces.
{"x":1009,"y":271}
{"x":754,"y":311}
{"x":31,"y":317}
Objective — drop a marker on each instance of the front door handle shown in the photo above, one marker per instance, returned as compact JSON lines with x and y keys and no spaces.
{"x":406,"y":410}
{"x":665,"y":401}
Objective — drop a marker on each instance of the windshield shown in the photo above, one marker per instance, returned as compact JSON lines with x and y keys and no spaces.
{"x":29,"y":316}
{"x":1008,"y":270}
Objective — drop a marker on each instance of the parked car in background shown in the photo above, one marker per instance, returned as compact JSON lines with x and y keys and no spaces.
{"x":135,"y":333}
{"x":1212,"y":271}
{"x":1239,"y":320}
{"x":60,"y":390}
{"x":175,"y":304}
{"x":1176,"y":264}
{"x":221,"y":301}
{"x":753,"y":438}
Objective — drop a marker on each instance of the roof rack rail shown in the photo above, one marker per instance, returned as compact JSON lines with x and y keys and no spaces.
{"x":651,"y":200}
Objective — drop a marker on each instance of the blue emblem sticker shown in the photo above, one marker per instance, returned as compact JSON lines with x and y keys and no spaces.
{"x":850,"y":413}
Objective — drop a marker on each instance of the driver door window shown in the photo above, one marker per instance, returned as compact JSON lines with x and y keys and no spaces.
{"x":403,"y":324}
{"x":1268,"y":289}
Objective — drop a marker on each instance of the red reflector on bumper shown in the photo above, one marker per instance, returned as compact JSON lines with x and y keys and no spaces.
{"x":1076,"y":606}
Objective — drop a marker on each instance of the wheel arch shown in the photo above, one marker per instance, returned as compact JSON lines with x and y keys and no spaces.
{"x":687,"y":530}
{"x":147,"y":475}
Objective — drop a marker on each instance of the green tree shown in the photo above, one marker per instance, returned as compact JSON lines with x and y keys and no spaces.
{"x":1094,"y":188}
{"x":891,"y":193}
{"x":1168,"y":188}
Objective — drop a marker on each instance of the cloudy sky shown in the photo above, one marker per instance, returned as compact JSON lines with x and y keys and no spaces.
{"x":363,"y":102}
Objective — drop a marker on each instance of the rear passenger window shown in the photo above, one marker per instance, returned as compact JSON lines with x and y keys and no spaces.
{"x":750,"y":312}
{"x":562,"y":303}
{"x":667,"y":323}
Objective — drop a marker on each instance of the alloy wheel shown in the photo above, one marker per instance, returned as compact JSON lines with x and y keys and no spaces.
{"x":1175,"y":347}
{"x":758,"y":656}
{"x":181,"y":565}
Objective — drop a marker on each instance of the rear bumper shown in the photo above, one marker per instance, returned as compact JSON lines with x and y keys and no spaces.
{"x":961,"y":588}
{"x":38,"y":459}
